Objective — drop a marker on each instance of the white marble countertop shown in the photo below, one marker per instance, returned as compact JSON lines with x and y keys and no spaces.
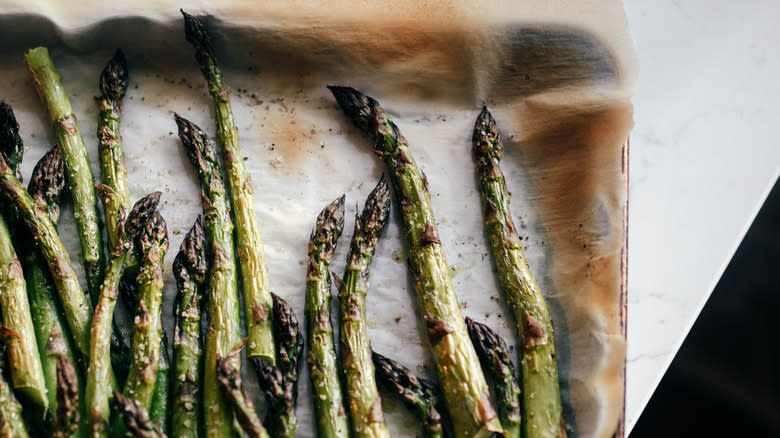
{"x":704,"y":155}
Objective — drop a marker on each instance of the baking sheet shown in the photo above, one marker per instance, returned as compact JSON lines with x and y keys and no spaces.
{"x":558,"y":78}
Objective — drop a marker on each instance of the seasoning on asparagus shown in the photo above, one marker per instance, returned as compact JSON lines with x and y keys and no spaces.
{"x":328,"y":397}
{"x":189,"y":268}
{"x":249,"y":245}
{"x":136,"y":417}
{"x":24,"y":362}
{"x":78,"y":171}
{"x":463,"y":384}
{"x":99,"y":371}
{"x":11,"y":424}
{"x":280,"y":382}
{"x":541,"y":393}
{"x":113,"y":85}
{"x":494,"y":355}
{"x":362,"y":395}
{"x":232,"y":386}
{"x":224,"y":328}
{"x":152,"y":243}
{"x":417,"y":394}
{"x":68,"y":417}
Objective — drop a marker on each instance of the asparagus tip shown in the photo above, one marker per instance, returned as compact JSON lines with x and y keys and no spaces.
{"x":193,"y":138}
{"x":195,"y":32}
{"x":486,"y":137}
{"x":191,"y":260}
{"x":288,"y":337}
{"x":11,"y":144}
{"x":48,"y":181}
{"x":356,"y":105}
{"x":135,"y":417}
{"x":488,"y":344}
{"x":142,"y":211}
{"x":154,"y":233}
{"x":113,"y":80}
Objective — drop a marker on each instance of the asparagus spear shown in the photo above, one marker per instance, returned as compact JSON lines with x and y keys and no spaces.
{"x":279,"y":382}
{"x":541,"y":394}
{"x":68,"y":417}
{"x":190,"y":268}
{"x":113,"y":85}
{"x":136,"y":417}
{"x":160,"y":411}
{"x":54,"y":344}
{"x":152,"y":242}
{"x":326,"y":387}
{"x":463,"y":384}
{"x":494,"y":355}
{"x":74,"y":301}
{"x":224,"y":328}
{"x":417,"y":394}
{"x":99,"y":371}
{"x":79,"y":174}
{"x":11,"y":424}
{"x":232,"y":386}
{"x":23,"y":359}
{"x":363,"y":397}
{"x":249,"y":246}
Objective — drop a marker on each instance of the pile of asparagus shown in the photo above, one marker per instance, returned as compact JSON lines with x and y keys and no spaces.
{"x":66,"y":360}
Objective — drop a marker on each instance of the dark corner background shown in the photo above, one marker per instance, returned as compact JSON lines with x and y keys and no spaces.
{"x":725,"y":380}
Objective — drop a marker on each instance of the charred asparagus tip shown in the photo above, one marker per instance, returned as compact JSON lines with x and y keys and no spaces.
{"x":154,"y":232}
{"x":113,"y":80}
{"x":11,"y":144}
{"x":136,"y":418}
{"x":196,"y":33}
{"x":356,"y":105}
{"x":48,"y":181}
{"x":190,"y":262}
{"x":141,"y":212}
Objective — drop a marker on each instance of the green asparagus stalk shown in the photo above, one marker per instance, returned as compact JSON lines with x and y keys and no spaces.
{"x":364,"y":402}
{"x":68,"y":417}
{"x":232,"y":386}
{"x":77,"y":168}
{"x":11,"y":423}
{"x":160,"y":411}
{"x":152,"y":242}
{"x":23,"y":359}
{"x":136,"y":417}
{"x":417,"y":394}
{"x":280,"y":382}
{"x":329,"y":408}
{"x":224,"y":328}
{"x":97,"y":393}
{"x":494,"y":355}
{"x":249,"y":245}
{"x":54,"y":343}
{"x":113,"y":85}
{"x":189,"y":268}
{"x":541,"y":394}
{"x":463,"y":384}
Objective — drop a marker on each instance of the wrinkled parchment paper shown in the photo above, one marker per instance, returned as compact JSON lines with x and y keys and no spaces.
{"x":558,"y":77}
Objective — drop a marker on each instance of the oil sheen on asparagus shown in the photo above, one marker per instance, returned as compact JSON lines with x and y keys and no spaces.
{"x":542,"y":414}
{"x":363,"y":399}
{"x":249,"y":246}
{"x":463,"y":384}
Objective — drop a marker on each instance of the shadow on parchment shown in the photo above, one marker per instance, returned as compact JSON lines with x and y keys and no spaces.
{"x":456,"y":65}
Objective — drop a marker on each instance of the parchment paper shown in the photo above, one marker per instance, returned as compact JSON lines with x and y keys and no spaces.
{"x":558,"y":77}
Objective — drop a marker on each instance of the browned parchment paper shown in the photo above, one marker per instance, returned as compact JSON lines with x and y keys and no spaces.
{"x":558,"y":76}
